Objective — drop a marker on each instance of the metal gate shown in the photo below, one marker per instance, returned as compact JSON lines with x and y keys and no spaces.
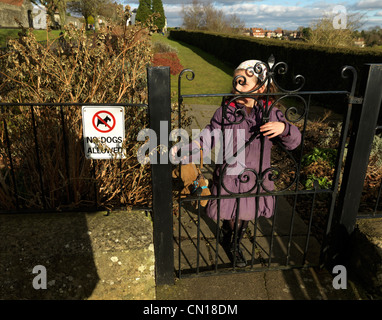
{"x":283,"y":241}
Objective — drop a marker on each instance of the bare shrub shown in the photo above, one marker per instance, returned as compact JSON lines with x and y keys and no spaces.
{"x":106,"y":67}
{"x":161,"y":47}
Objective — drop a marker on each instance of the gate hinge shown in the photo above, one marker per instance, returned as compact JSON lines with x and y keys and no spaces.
{"x":355,"y":100}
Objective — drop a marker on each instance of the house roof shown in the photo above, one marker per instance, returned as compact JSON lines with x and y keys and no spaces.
{"x":258,"y":29}
{"x":18,"y":3}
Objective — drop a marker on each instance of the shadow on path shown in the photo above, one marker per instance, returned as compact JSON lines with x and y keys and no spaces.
{"x":60,"y":243}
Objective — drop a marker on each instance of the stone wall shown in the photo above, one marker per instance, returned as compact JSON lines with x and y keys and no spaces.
{"x":75,"y":21}
{"x":8,"y":13}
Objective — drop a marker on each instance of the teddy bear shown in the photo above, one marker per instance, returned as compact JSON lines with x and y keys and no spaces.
{"x":194,"y":182}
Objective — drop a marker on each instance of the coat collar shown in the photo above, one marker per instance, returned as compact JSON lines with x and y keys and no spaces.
{"x":260,"y":105}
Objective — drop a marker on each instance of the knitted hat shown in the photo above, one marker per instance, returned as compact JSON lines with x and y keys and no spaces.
{"x":256,"y":67}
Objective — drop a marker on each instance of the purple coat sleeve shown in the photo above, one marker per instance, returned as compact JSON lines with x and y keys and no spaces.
{"x":291,"y":136}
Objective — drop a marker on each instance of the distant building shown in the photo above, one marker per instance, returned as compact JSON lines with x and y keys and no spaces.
{"x":22,"y":10}
{"x":257,"y":32}
{"x":291,"y":35}
{"x":131,"y":20}
{"x":279,"y":33}
{"x":294,"y":35}
{"x":261,"y":33}
{"x":39,"y":17}
{"x":75,"y":21}
{"x":275,"y":34}
{"x":30,"y":15}
{"x":359,"y":42}
{"x":270,"y":34}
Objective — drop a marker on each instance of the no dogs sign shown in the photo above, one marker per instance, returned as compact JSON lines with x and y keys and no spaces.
{"x":103,"y":131}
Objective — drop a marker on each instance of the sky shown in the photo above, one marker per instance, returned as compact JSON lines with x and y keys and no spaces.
{"x":286,"y":14}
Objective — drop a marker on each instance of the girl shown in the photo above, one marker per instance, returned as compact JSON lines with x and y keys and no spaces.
{"x":246,"y":120}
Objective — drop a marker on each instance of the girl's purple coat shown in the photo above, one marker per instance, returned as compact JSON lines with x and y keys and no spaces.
{"x":291,"y":138}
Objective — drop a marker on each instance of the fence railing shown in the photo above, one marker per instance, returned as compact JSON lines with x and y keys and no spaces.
{"x":45,"y":166}
{"x":52,"y":154}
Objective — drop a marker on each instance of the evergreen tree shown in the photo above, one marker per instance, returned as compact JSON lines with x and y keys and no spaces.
{"x":158,"y":8}
{"x":143,"y":11}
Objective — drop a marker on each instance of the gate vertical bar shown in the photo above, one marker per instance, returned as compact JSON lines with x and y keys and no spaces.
{"x":159,"y":101}
{"x":10,"y":160}
{"x":359,"y":148}
{"x":69,"y":189}
{"x":38,"y":157}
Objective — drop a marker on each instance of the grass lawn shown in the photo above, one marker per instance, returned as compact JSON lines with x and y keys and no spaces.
{"x":211,"y":75}
{"x":6,"y":34}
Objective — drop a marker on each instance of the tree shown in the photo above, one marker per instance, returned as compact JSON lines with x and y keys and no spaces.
{"x":305,"y":32}
{"x":324,"y":31}
{"x":144,"y":11}
{"x":198,"y":16}
{"x":373,"y":36}
{"x":90,"y":20}
{"x":236,"y":24}
{"x":86,"y":8}
{"x":193,"y":16}
{"x":160,"y":22}
{"x":52,"y":6}
{"x":214,"y":19}
{"x":111,"y":12}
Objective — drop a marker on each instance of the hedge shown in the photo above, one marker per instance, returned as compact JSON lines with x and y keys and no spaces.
{"x":321,"y":66}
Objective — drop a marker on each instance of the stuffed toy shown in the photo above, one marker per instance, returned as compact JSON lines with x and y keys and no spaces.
{"x":193,"y":180}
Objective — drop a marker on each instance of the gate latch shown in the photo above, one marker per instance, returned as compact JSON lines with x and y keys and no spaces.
{"x":355,"y":100}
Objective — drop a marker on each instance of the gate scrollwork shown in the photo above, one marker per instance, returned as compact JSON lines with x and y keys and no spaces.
{"x":254,"y":180}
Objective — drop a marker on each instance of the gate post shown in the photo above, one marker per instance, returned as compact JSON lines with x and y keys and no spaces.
{"x":359,"y":149}
{"x":159,"y":103}
{"x":338,"y":243}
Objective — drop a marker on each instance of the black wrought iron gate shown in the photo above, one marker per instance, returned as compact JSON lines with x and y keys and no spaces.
{"x":284,"y":240}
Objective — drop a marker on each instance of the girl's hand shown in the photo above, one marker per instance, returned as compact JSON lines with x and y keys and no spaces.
{"x":173,"y":155}
{"x":173,"y":152}
{"x":272,"y":129}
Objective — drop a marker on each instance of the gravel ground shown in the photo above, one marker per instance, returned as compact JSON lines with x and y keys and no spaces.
{"x":78,"y":256}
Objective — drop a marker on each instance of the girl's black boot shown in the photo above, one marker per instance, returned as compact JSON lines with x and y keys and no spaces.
{"x":226,"y":234}
{"x":237,"y":255}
